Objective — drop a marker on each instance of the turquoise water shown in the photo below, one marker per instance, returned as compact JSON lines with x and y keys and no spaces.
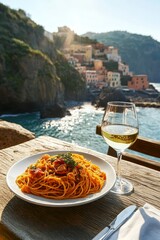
{"x":79,"y":128}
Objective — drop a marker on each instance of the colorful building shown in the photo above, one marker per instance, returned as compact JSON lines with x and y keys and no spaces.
{"x":124,"y":68}
{"x":139,"y":82}
{"x":91,"y":77}
{"x":112,"y":54}
{"x":113,"y":79}
{"x":96,"y":78}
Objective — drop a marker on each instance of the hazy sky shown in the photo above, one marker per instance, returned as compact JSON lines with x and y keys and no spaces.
{"x":134,"y":16}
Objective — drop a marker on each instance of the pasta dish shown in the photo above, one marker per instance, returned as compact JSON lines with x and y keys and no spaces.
{"x":62,"y":176}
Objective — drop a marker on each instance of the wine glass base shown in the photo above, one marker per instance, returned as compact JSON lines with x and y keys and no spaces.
{"x":122,"y":186}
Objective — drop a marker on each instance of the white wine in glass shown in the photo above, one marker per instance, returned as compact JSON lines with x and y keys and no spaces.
{"x":120,"y":130}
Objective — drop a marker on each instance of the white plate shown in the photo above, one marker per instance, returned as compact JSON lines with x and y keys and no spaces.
{"x":20,"y":166}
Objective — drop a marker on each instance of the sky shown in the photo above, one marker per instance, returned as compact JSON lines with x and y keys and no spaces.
{"x":134,"y":16}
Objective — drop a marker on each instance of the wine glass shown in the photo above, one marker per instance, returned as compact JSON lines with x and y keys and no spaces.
{"x":120,"y":130}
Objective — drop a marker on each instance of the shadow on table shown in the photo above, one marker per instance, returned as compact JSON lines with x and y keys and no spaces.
{"x":29,"y":221}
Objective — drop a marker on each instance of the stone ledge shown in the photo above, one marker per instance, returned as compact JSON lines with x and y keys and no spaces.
{"x":12,"y":134}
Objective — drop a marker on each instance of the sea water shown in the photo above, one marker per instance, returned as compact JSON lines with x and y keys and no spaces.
{"x":80,"y":127}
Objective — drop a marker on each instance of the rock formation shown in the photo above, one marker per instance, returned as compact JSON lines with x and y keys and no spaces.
{"x":12,"y":134}
{"x":33,"y":73}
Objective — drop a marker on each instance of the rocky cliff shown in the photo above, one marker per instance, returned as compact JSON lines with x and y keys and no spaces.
{"x":33,"y":74}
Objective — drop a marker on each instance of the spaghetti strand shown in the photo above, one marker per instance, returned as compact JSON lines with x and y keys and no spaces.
{"x":65,"y":176}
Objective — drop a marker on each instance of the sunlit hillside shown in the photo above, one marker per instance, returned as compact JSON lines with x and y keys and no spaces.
{"x":142,"y":53}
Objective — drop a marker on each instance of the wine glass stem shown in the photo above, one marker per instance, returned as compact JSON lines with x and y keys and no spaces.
{"x":119,"y":156}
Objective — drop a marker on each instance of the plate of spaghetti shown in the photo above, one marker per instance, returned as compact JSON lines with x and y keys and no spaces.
{"x":61,"y":178}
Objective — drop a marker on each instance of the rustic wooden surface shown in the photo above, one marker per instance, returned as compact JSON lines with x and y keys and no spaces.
{"x":22,"y":220}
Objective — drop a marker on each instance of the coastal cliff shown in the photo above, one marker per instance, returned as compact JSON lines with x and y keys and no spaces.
{"x":34,"y":75}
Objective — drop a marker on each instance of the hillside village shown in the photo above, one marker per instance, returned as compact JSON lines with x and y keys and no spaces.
{"x":32,"y":66}
{"x":100,"y":65}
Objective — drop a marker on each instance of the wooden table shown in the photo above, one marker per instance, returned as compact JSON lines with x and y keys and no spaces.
{"x":22,"y":220}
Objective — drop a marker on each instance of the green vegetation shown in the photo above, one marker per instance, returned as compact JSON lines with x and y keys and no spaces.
{"x":111,"y":66}
{"x":32,"y":71}
{"x":58,"y":41}
{"x":125,"y":79}
{"x":12,"y":51}
{"x":71,"y":79}
{"x":17,"y":24}
{"x":84,"y":40}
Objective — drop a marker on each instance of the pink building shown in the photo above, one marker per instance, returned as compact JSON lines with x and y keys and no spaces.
{"x":138,"y":82}
{"x":96,"y":78}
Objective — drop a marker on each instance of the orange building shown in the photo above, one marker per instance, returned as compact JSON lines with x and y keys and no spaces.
{"x":138,"y":82}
